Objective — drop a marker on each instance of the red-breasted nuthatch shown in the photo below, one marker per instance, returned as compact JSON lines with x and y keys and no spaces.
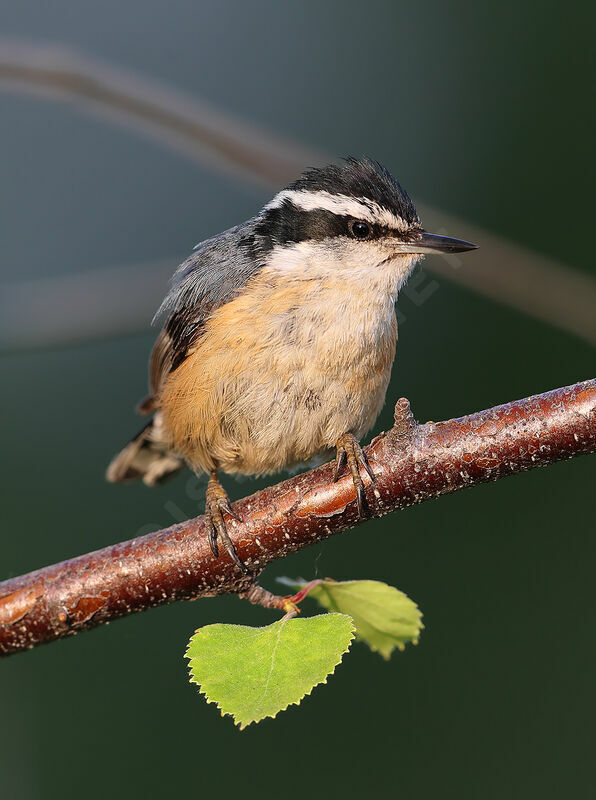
{"x":280,"y":336}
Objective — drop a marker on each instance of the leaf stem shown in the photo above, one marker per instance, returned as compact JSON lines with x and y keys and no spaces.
{"x":412,"y":463}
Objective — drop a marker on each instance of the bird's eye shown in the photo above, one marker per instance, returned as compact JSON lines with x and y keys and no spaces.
{"x":360,"y":229}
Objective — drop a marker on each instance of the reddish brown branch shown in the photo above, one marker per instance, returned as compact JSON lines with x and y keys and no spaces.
{"x":412,"y":463}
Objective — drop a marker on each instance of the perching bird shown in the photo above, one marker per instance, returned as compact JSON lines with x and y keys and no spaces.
{"x":280,"y":336}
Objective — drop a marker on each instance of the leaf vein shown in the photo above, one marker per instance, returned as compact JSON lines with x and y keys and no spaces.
{"x":266,"y":687}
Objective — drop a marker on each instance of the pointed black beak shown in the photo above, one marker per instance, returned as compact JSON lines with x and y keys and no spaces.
{"x":433,"y":243}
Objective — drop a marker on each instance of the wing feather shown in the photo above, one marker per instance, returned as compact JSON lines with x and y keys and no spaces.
{"x":211,"y":276}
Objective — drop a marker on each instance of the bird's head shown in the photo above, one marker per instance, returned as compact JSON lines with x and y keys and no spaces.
{"x":351,"y":220}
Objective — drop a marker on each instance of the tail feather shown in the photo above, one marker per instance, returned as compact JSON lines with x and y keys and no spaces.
{"x":147,"y":457}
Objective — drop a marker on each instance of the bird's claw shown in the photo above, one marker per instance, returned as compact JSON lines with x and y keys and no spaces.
{"x":218,"y":504}
{"x":349,"y":452}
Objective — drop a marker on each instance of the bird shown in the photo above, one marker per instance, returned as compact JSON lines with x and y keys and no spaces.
{"x":279,"y":337}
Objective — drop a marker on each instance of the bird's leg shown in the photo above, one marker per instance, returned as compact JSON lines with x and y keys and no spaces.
{"x":217,"y":503}
{"x":350,"y":452}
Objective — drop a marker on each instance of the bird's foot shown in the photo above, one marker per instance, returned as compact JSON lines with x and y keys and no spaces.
{"x":350,"y":452}
{"x":217,"y":504}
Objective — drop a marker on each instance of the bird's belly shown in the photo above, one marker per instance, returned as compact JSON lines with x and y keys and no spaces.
{"x":281,"y":420}
{"x":264,"y":391}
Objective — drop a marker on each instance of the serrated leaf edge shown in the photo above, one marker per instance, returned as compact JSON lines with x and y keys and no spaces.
{"x":401,"y":646}
{"x":292,"y":702}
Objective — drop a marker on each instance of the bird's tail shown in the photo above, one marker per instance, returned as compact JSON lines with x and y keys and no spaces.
{"x":146,"y":456}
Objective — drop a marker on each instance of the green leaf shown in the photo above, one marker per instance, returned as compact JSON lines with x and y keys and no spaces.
{"x":253,"y":673}
{"x":385,"y":618}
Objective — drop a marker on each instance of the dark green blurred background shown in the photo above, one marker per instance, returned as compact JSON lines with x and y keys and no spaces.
{"x":481,"y":110}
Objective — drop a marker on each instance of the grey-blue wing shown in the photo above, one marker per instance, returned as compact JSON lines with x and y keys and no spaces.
{"x":209,"y":278}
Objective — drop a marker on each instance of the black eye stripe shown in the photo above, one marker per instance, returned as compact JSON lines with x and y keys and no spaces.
{"x":288,"y":224}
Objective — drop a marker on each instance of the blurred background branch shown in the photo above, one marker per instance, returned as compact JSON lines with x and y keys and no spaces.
{"x":119,"y":300}
{"x":481,"y":110}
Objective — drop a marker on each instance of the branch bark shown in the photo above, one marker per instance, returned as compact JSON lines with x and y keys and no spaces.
{"x":412,"y":463}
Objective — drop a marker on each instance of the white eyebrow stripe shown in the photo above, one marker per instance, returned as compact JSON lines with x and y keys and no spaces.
{"x":359,"y":207}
